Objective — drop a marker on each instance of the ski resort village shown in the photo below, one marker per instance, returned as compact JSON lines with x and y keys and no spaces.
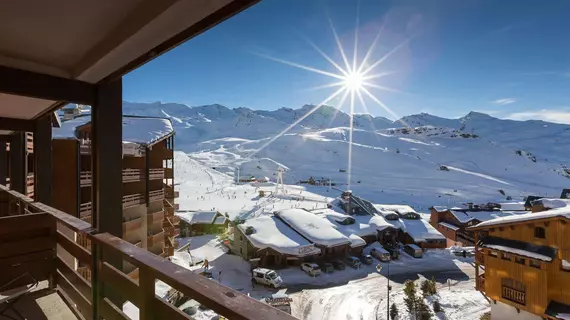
{"x":113,"y":207}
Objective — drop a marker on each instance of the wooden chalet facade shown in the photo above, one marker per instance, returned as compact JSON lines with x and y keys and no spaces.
{"x":522,"y":265}
{"x":453,"y":227}
{"x":148,"y":217}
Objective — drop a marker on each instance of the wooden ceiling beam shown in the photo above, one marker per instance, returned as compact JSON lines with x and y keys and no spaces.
{"x":42,"y":86}
{"x":17,"y":124}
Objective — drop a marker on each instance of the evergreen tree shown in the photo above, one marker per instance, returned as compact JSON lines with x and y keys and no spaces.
{"x":393,"y":311}
{"x":437,"y":306}
{"x":410,"y":300}
{"x":432,"y":287}
{"x":423,"y":312}
{"x":425,"y":287}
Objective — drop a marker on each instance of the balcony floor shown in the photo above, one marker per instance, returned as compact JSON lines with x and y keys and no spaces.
{"x":41,"y":304}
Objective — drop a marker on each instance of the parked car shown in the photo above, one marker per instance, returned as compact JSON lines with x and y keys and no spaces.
{"x":366,"y":259}
{"x":380,"y":254}
{"x":326,"y":267}
{"x":394,"y":253}
{"x":267,"y":277}
{"x":353,"y":262}
{"x":311,"y":269}
{"x":338,"y":265}
{"x":413,"y":250}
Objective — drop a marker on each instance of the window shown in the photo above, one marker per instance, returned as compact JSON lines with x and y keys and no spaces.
{"x":565,"y":265}
{"x":539,"y":232}
{"x":534,"y":264}
{"x":513,"y":284}
{"x":494,"y":254}
{"x":506,"y":256}
{"x":520,"y":260}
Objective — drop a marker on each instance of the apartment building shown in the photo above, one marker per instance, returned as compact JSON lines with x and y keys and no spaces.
{"x":523,"y":264}
{"x":148,"y":219}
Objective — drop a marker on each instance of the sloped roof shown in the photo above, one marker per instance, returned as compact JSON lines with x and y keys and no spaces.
{"x":522,"y":218}
{"x":312,"y":227}
{"x":521,"y":248}
{"x":198,"y":217}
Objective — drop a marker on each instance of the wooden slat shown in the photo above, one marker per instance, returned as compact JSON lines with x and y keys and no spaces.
{"x":74,"y":278}
{"x":80,"y":253}
{"x":67,"y":220}
{"x":121,"y":282}
{"x":26,"y":222}
{"x":221,"y":299}
{"x":167,"y":310}
{"x":39,"y":257}
{"x":17,"y":235}
{"x":40,"y":271}
{"x":147,"y":281}
{"x":67,"y":300}
{"x":110,"y":312}
{"x":8,"y":249}
{"x":83,"y":305}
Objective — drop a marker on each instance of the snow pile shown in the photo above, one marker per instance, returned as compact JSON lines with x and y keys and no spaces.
{"x":398,"y":208}
{"x":450,"y":226}
{"x":554,"y":203}
{"x":204,"y":217}
{"x":312,"y":227}
{"x":466,"y":216}
{"x":513,"y":206}
{"x":271,"y":232}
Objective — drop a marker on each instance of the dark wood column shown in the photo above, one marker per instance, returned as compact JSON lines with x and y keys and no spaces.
{"x":107,"y":180}
{"x":43,"y":160}
{"x":3,"y":163}
{"x":18,"y":162}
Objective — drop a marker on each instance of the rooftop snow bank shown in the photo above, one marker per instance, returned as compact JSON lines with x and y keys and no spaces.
{"x":353,"y":231}
{"x":140,"y":130}
{"x":420,"y":230}
{"x":398,"y":208}
{"x":554,"y":203}
{"x":313,"y":227}
{"x":271,"y":232}
{"x":466,"y":216}
{"x":559,"y":212}
{"x":198,"y":217}
{"x":513,"y":206}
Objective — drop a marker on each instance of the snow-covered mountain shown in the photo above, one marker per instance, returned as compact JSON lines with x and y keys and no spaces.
{"x":432,"y":160}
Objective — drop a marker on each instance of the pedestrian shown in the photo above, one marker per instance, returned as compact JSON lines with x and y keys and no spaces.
{"x":220,"y":276}
{"x":252,"y":283}
{"x":464,"y":253}
{"x":206,"y":265}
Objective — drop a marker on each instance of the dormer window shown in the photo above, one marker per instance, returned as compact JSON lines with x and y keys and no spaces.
{"x":539,"y":232}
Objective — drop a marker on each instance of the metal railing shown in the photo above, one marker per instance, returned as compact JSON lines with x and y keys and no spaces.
{"x":513,"y":295}
{"x":96,"y":298}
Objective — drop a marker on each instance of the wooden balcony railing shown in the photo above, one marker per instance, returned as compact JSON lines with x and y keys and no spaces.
{"x":157,"y":195}
{"x":480,"y":283}
{"x":85,"y":178}
{"x":514,"y":295}
{"x":169,"y":192}
{"x":85,"y":209}
{"x":130,"y":175}
{"x":156,"y":174}
{"x":168,"y":173}
{"x":132,"y":200}
{"x":29,"y":245}
{"x":30,"y":142}
{"x":480,"y":257}
{"x":30,"y":185}
{"x":155,"y":238}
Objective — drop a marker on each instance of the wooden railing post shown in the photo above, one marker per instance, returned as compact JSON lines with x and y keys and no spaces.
{"x":147,"y":287}
{"x":96,"y":284}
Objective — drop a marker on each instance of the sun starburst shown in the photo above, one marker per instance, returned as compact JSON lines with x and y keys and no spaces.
{"x":353,"y":79}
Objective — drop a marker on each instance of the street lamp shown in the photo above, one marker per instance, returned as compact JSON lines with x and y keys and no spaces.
{"x":388,"y":288}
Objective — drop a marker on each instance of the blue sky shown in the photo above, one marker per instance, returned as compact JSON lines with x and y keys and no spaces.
{"x":510,"y":59}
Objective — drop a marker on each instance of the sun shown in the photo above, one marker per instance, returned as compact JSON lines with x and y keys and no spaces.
{"x":354,"y":81}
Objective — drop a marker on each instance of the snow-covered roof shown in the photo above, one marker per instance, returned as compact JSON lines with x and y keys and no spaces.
{"x":380,"y":223}
{"x":220,"y":220}
{"x":271,"y":232}
{"x":313,"y":227}
{"x":440,"y":208}
{"x":375,"y":245}
{"x":198,"y":217}
{"x":558,"y":212}
{"x":513,"y":206}
{"x":449,"y":225}
{"x":554,"y":203}
{"x":140,"y":130}
{"x":466,"y":216}
{"x":353,"y":231}
{"x":398,"y":208}
{"x":520,"y":248}
{"x":421,"y":231}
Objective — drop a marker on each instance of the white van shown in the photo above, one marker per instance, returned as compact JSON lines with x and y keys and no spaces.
{"x":380,"y":254}
{"x":267,"y":277}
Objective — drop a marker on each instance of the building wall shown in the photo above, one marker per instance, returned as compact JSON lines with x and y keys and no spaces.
{"x":501,"y":311}
{"x":557,"y":233}
{"x":535,"y":281}
{"x":447,"y":232}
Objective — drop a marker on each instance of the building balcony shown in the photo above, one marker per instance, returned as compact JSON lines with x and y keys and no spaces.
{"x":167,"y":252}
{"x":85,"y":209}
{"x":168,"y":173}
{"x":129,"y":175}
{"x":513,"y":295}
{"x":133,"y":225}
{"x":30,"y":142}
{"x":156,"y":195}
{"x":156,"y":174}
{"x":170,"y":193}
{"x":480,"y":283}
{"x":132,"y":200}
{"x":168,"y":231}
{"x":45,"y":257}
{"x":155,"y":238}
{"x":30,"y":185}
{"x":155,"y":217}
